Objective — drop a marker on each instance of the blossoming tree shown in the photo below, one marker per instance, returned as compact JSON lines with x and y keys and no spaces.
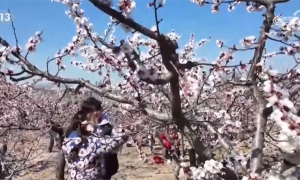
{"x":234,"y":102}
{"x":28,"y":112}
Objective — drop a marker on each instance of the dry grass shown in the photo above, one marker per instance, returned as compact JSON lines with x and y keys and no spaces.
{"x":42,"y":165}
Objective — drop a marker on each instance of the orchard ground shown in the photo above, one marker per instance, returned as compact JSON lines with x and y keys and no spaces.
{"x":42,"y":164}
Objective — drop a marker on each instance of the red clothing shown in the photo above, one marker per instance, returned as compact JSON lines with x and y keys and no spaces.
{"x":167,"y":144}
{"x":158,"y":160}
{"x":162,"y":137}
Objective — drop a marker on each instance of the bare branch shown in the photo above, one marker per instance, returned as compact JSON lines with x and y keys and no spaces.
{"x":113,"y":13}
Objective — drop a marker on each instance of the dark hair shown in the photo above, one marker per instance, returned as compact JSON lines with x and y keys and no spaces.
{"x":91,"y":101}
{"x":88,"y":106}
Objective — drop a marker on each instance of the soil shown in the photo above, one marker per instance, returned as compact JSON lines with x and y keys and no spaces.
{"x":42,"y":166}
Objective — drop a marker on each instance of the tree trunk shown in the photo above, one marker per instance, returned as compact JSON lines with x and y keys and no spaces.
{"x":60,"y":174}
{"x":3,"y":150}
{"x":192,"y":157}
{"x":51,"y":143}
{"x":182,"y":145}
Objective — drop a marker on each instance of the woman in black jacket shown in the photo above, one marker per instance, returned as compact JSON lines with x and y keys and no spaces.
{"x":110,"y":164}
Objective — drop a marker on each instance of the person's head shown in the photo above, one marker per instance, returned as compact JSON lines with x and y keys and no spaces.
{"x":84,"y":122}
{"x":86,"y":118}
{"x":91,"y":101}
{"x":97,"y":104}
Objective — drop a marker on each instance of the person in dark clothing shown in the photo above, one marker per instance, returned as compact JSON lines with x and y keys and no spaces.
{"x":96,"y":104}
{"x":104,"y":128}
{"x":109,"y":162}
{"x":82,"y":127}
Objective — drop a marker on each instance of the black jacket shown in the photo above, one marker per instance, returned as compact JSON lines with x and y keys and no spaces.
{"x":106,"y":130}
{"x":109,"y":161}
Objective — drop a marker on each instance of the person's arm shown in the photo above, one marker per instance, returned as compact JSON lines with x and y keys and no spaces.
{"x":92,"y":145}
{"x":108,"y":144}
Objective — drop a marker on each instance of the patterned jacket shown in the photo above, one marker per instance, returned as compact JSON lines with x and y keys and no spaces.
{"x":87,"y":165}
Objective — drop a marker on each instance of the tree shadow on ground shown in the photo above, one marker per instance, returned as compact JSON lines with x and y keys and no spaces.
{"x":158,"y":148}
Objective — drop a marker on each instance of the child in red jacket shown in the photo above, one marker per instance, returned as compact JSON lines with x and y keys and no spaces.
{"x":167,"y":146}
{"x":175,"y":140}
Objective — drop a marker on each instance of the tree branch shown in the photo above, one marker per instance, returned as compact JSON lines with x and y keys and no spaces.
{"x":35,"y":71}
{"x":190,"y":65}
{"x":261,"y":118}
{"x":159,"y":80}
{"x":117,"y":15}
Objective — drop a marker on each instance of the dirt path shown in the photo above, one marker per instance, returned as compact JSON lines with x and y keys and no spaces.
{"x":131,"y":167}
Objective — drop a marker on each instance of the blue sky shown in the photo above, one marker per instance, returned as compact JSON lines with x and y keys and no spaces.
{"x":181,"y":15}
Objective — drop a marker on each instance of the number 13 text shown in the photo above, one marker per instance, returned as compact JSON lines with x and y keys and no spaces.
{"x":5,"y":17}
